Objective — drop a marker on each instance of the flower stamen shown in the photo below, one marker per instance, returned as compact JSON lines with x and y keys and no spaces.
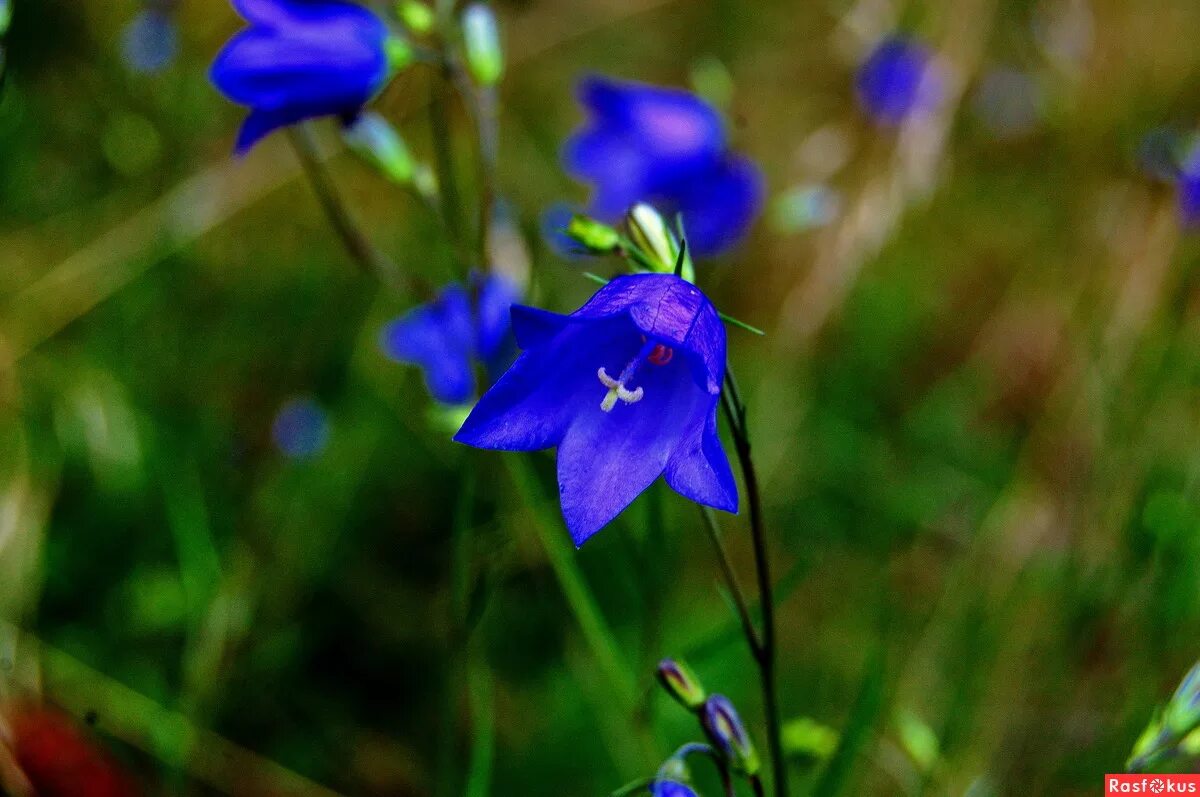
{"x":617,"y":390}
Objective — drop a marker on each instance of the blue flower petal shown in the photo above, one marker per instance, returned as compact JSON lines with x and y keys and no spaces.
{"x":437,"y":337}
{"x":896,"y":81}
{"x":301,"y":60}
{"x":607,"y":459}
{"x":719,"y":207}
{"x":670,"y":309}
{"x":674,"y":128}
{"x":699,"y":469}
{"x":666,"y":147}
{"x":671,"y":788}
{"x":531,"y":406}
{"x":495,"y":302}
{"x":533,"y":326}
{"x":1189,"y":189}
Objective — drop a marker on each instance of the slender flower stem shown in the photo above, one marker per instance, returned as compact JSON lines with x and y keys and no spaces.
{"x":369,"y":258}
{"x":731,"y":580}
{"x":765,"y":652}
{"x":443,"y":152}
{"x":487,"y":110}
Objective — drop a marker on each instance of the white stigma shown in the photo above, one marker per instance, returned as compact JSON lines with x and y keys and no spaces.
{"x":616,"y":390}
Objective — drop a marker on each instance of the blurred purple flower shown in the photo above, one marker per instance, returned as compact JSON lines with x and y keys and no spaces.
{"x":626,"y":387}
{"x":150,"y":41}
{"x":301,"y":428}
{"x":898,"y":79}
{"x":447,"y":336}
{"x":1189,"y":188}
{"x":668,"y":148}
{"x":301,"y":59}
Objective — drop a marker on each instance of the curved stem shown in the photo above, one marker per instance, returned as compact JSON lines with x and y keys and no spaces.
{"x":735,"y":413}
{"x":731,"y":580}
{"x":369,"y":258}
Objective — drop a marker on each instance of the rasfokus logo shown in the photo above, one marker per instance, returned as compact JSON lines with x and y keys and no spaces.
{"x":1151,"y":784}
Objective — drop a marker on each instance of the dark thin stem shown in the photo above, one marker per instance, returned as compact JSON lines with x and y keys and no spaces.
{"x":735,"y":413}
{"x":731,"y":580}
{"x":366,"y":255}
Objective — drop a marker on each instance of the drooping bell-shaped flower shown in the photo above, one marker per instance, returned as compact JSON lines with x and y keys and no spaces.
{"x":727,"y":733}
{"x":668,"y":148}
{"x":447,"y":336}
{"x":671,"y":788}
{"x":898,"y":79}
{"x":626,"y":388}
{"x":301,"y":59}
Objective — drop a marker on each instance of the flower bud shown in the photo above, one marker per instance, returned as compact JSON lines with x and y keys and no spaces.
{"x":727,"y":733}
{"x":400,"y":53}
{"x":681,"y":683}
{"x":592,"y":235}
{"x":377,"y":142}
{"x":416,"y":16}
{"x":1183,"y":712}
{"x":650,"y":234}
{"x":481,"y":36}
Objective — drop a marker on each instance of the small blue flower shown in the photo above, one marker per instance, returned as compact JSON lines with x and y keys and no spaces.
{"x":668,"y":148}
{"x":1189,"y":188}
{"x":150,"y":41}
{"x":727,"y":733}
{"x":626,"y":387}
{"x":898,"y":80}
{"x":671,"y":788}
{"x":301,"y":428}
{"x":447,"y":336}
{"x":301,"y":59}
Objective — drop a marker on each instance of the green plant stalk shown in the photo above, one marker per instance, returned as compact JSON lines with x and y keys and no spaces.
{"x":765,"y":653}
{"x":443,"y":159}
{"x":595,"y":629}
{"x":370,"y":259}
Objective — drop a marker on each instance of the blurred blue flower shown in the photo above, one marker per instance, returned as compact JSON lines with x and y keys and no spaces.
{"x":668,"y":148}
{"x":448,"y":335}
{"x":898,"y":80}
{"x":1158,"y":153}
{"x":150,"y":41}
{"x":301,"y":428}
{"x":626,"y":387}
{"x":1189,"y":188}
{"x":671,"y":788}
{"x":301,"y":59}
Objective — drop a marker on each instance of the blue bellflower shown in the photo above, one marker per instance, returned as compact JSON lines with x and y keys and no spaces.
{"x":150,"y":41}
{"x":671,"y":788}
{"x":301,"y":59}
{"x":665,"y":147}
{"x":448,"y":335}
{"x":897,"y":80}
{"x":626,"y":388}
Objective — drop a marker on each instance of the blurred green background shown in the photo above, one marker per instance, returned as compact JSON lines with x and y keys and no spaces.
{"x":975,"y":415}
